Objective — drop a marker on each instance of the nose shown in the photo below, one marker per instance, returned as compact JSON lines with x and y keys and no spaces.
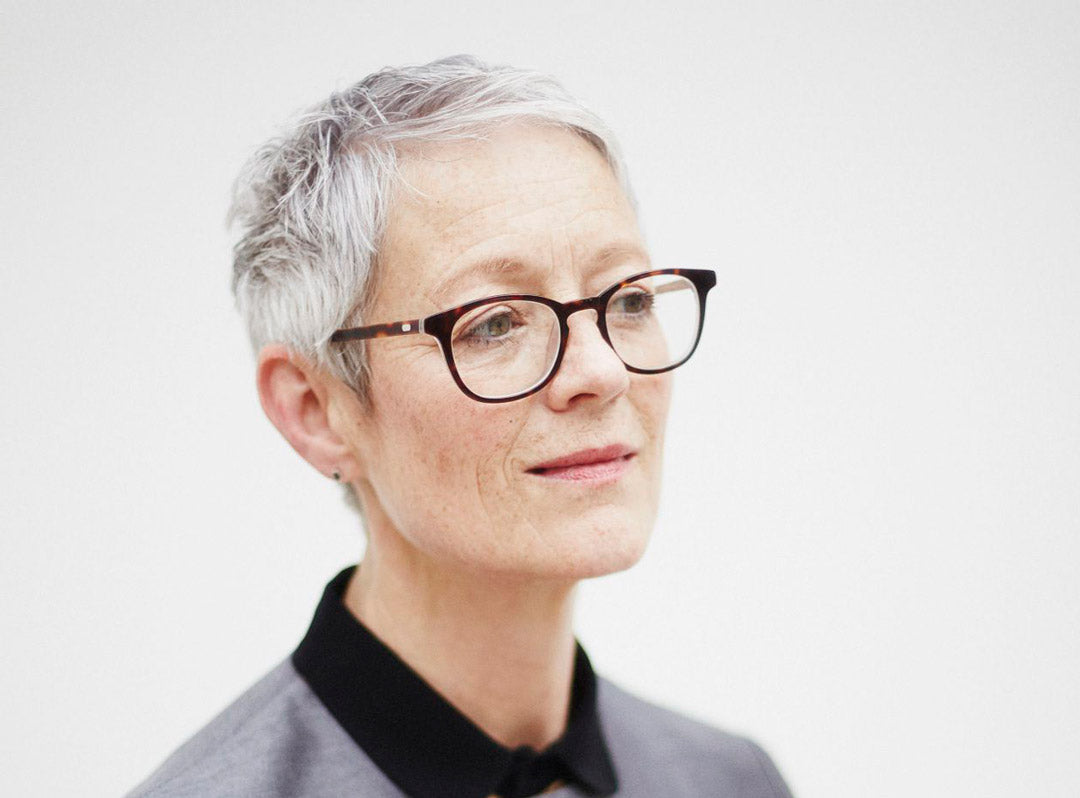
{"x":589,"y":369}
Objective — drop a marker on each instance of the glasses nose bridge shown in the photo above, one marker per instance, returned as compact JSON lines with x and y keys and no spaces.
{"x":589,"y":303}
{"x":597,"y":303}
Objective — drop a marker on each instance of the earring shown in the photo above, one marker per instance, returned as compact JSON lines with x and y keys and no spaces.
{"x":337,"y":475}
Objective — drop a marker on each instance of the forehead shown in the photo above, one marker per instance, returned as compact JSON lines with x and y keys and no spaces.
{"x":528,"y":206}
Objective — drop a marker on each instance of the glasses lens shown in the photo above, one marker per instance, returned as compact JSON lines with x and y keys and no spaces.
{"x":505,"y":348}
{"x":653,"y":322}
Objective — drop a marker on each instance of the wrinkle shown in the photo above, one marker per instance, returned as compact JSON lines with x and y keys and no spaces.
{"x":452,"y":477}
{"x":522,"y":212}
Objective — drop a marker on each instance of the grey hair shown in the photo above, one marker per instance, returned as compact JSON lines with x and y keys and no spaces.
{"x":311,"y":204}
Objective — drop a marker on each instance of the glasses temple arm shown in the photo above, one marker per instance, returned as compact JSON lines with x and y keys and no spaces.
{"x":377,"y":331}
{"x":672,"y":286}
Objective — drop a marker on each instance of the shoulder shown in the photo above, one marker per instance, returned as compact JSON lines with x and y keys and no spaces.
{"x":661,"y":749}
{"x":275,"y":739}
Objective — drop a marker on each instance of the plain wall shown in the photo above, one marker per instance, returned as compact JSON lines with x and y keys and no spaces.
{"x":867,"y":554}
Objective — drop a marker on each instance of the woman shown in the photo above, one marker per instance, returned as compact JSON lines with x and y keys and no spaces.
{"x":456,"y":317}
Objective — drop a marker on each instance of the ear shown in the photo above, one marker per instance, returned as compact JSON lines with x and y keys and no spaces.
{"x":296,"y":397}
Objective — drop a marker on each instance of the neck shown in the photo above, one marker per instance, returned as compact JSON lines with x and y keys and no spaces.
{"x":500,"y":649}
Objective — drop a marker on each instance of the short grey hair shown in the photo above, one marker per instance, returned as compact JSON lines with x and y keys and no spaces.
{"x":311,"y":204}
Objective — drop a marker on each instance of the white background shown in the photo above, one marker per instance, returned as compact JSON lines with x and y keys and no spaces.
{"x":867,"y":555}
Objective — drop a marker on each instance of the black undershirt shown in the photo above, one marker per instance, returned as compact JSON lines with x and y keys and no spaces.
{"x":417,"y":738}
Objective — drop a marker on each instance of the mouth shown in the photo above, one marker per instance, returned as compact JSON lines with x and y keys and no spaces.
{"x":605,"y":464}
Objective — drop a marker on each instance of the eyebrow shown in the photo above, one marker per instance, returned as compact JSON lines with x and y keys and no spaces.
{"x":488,"y":267}
{"x":501,"y":266}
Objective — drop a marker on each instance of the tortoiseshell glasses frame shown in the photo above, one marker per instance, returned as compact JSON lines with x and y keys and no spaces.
{"x":441,"y":326}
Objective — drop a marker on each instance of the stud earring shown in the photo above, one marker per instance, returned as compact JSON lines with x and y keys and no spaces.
{"x":337,"y":475}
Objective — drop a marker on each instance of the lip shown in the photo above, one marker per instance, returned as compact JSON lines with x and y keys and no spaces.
{"x":604,"y":464}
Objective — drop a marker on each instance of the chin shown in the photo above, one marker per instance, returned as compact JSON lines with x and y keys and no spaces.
{"x":605,"y":550}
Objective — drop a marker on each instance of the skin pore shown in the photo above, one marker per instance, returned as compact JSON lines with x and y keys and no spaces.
{"x":473,"y":556}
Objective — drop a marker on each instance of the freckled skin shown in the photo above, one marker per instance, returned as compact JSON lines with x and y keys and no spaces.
{"x":446,"y":476}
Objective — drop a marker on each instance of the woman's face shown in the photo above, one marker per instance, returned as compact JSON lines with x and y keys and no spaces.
{"x":458,"y":480}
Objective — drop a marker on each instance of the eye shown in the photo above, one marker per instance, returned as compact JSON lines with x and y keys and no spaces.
{"x":496,"y":325}
{"x":493,"y":327}
{"x":632,"y":301}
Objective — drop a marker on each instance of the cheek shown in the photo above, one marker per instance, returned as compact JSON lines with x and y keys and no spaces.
{"x":652,"y":398}
{"x":458,"y":487}
{"x":457,"y":450}
{"x":485,"y":450}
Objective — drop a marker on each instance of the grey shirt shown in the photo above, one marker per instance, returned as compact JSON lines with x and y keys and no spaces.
{"x":278,"y":739}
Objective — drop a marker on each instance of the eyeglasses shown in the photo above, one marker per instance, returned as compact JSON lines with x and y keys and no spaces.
{"x":510,"y":346}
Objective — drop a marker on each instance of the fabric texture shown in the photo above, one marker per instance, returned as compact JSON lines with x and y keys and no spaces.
{"x":422,"y":742}
{"x":344,"y":715}
{"x":278,"y":739}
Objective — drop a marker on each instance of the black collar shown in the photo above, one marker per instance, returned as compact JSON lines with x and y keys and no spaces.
{"x":421,"y":741}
